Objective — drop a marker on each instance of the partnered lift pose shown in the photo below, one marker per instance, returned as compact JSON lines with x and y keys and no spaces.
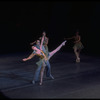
{"x":44,"y":57}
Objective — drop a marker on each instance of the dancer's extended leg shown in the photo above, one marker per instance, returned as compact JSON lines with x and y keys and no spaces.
{"x":41,"y":74}
{"x":57,"y":49}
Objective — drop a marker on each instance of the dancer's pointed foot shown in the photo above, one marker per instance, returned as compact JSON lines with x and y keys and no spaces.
{"x":40,"y":83}
{"x":78,"y":60}
{"x":51,"y":77}
{"x":64,"y":42}
{"x":33,"y":82}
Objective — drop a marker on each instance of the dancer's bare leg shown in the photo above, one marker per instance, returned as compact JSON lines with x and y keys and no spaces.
{"x":79,"y":54}
{"x":41,"y":74}
{"x":57,"y":49}
{"x":76,"y":54}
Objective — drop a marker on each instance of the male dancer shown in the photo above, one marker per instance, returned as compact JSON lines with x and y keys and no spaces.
{"x":45,"y":42}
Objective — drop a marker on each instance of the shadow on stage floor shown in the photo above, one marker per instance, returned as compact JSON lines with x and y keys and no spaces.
{"x":72,"y":80}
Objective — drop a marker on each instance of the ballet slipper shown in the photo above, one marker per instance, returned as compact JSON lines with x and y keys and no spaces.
{"x":40,"y":83}
{"x":78,"y":60}
{"x":64,"y":43}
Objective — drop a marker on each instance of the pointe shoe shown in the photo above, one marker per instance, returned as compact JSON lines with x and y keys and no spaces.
{"x":51,"y":77}
{"x":78,"y":60}
{"x":40,"y":83}
{"x":33,"y":82}
{"x":64,"y":42}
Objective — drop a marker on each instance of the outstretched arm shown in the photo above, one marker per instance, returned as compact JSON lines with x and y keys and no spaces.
{"x":69,"y":38}
{"x":32,"y":43}
{"x":29,"y":57}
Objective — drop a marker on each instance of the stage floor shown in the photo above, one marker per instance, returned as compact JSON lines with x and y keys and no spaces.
{"x":72,"y":80}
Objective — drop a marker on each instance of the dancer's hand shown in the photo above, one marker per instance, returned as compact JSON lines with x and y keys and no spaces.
{"x":31,"y":43}
{"x":25,"y":59}
{"x":46,"y":59}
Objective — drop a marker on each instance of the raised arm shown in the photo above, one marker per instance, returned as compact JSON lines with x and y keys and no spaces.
{"x":41,"y":42}
{"x":29,"y":57}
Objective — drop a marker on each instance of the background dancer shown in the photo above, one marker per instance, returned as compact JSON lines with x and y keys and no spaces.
{"x":77,"y":45}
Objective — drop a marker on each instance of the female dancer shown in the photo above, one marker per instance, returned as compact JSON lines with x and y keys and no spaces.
{"x":77,"y":45}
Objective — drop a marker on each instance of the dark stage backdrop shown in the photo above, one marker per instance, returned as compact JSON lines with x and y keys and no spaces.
{"x":24,"y":21}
